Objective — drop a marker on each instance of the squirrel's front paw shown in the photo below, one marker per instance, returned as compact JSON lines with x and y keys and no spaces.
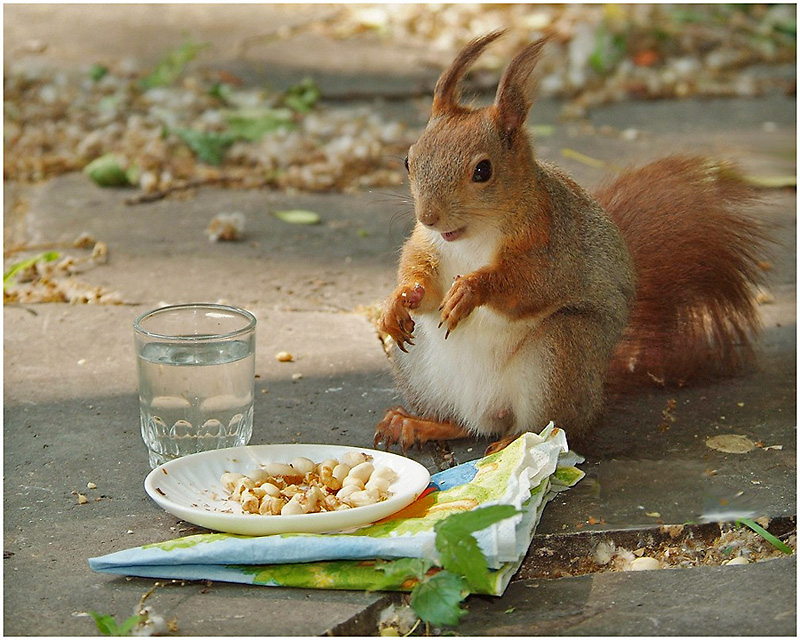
{"x":459,"y":301}
{"x":395,"y":318}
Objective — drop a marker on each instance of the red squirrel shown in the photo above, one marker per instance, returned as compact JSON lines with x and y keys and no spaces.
{"x":521,"y":297}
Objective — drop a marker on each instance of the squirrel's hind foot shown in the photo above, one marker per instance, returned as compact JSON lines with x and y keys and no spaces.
{"x":501,"y":444}
{"x":400,"y":427}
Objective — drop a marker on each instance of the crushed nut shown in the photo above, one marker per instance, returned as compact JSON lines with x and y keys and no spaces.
{"x":304,"y":486}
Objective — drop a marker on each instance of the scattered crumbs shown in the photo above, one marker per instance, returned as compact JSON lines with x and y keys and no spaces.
{"x":82,"y":361}
{"x":158,"y":489}
{"x":652,"y":514}
{"x":226,"y":227}
{"x":284,"y":356}
{"x":91,"y":485}
{"x":297,"y":376}
{"x":129,"y":531}
{"x":82,"y":499}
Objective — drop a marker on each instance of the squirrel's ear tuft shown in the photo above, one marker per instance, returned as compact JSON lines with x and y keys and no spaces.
{"x":512,"y":101}
{"x":445,"y":95}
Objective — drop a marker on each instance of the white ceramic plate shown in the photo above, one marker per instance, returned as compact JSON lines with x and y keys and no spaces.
{"x":190,"y":489}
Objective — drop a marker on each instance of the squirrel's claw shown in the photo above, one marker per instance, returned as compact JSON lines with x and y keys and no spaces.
{"x":391,"y":429}
{"x":400,"y":427}
{"x":459,"y":302}
{"x":396,"y":321}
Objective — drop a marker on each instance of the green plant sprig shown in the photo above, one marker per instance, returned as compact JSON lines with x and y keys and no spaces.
{"x":438,"y":595}
{"x":775,"y":542}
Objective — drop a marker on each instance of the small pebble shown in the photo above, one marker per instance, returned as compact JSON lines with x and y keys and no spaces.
{"x":91,"y":485}
{"x":737,"y":561}
{"x":645,"y":564}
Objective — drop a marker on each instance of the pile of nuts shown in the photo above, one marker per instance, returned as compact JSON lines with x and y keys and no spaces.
{"x":303,"y":486}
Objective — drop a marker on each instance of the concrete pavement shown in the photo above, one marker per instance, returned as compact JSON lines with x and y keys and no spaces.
{"x":70,"y":408}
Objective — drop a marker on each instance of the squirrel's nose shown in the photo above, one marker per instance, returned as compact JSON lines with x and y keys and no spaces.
{"x":428,"y":216}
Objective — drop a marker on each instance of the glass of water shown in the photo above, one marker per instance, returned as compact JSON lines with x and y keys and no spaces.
{"x":196,"y":378}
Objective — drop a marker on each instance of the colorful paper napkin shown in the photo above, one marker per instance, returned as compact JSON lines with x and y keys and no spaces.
{"x":526,"y":474}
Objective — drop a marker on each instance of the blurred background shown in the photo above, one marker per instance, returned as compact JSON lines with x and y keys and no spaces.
{"x":279,"y":95}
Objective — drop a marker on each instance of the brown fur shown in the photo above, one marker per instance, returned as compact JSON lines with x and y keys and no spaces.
{"x":696,"y":252}
{"x":563,"y":271}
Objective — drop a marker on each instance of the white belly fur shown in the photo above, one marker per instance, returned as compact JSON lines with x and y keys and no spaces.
{"x":488,"y":364}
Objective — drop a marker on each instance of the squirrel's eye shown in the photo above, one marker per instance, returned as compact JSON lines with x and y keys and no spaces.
{"x":482,"y":172}
{"x":405,"y":162}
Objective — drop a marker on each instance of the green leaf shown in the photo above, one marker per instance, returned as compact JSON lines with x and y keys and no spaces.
{"x":609,"y":49}
{"x":436,"y":601}
{"x":458,"y":549}
{"x":302,"y":97}
{"x":171,"y":66}
{"x":297,"y":216}
{"x":105,"y":624}
{"x":775,"y":542}
{"x":253,"y":124}
{"x":477,"y":519}
{"x":47,"y":256}
{"x":97,"y":72}
{"x":542,"y":130}
{"x":460,"y":554}
{"x":109,"y":627}
{"x":209,"y":146}
{"x":126,"y":627}
{"x":397,"y":571}
{"x":107,"y":171}
{"x":221,"y":91}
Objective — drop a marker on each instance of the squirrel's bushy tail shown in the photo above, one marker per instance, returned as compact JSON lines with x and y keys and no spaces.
{"x":697,"y":255}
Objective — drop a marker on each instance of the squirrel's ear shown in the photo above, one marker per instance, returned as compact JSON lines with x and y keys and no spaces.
{"x":512,"y":101}
{"x":445,"y":95}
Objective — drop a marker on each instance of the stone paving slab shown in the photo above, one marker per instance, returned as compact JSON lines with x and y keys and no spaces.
{"x":71,"y":418}
{"x":758,"y":601}
{"x":70,"y":408}
{"x":69,"y":376}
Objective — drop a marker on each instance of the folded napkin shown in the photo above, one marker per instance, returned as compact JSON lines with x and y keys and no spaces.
{"x":526,"y":474}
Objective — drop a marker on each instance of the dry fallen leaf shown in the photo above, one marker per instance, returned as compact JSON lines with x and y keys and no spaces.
{"x":297,"y":216}
{"x":227,"y":227}
{"x":731,"y":443}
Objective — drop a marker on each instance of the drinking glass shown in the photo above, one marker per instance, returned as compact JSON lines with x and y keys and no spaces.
{"x":196,"y":378}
